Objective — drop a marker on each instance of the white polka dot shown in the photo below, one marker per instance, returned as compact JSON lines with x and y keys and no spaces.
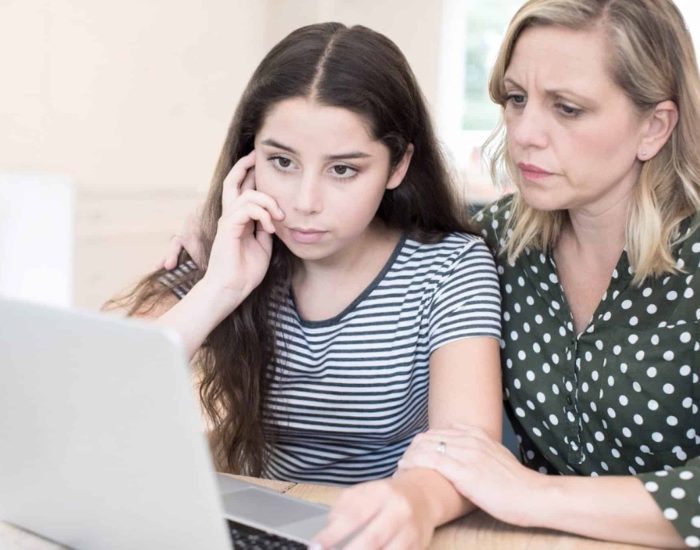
{"x":514,"y":335}
{"x":668,"y":355}
{"x":672,"y":295}
{"x":626,"y":432}
{"x":520,"y":412}
{"x":626,"y":304}
{"x":651,"y":486}
{"x":538,"y":319}
{"x":685,"y":370}
{"x":646,"y":292}
{"x":668,"y":389}
{"x":638,"y":419}
{"x":615,"y":453}
{"x":599,"y":436}
{"x":695,"y":521}
{"x":656,"y":436}
{"x":672,"y":421}
{"x":633,"y":321}
{"x":670,"y":514}
{"x":688,"y":293}
{"x":607,"y":316}
{"x":540,"y":397}
{"x":685,"y":475}
{"x":677,"y":493}
{"x":623,"y":400}
{"x":530,"y":375}
{"x":687,"y":402}
{"x":651,"y":372}
{"x":653,"y":405}
{"x":651,"y":309}
{"x":692,"y":541}
{"x":639,"y":355}
{"x":655,"y":339}
{"x":522,"y":355}
{"x":685,"y":337}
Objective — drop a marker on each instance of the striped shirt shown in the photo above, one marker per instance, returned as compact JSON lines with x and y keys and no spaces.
{"x":349,"y":393}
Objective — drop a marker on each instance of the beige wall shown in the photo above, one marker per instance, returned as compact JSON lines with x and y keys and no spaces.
{"x":132,"y":99}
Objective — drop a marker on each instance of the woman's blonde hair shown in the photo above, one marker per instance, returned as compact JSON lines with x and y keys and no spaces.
{"x":652,"y":60}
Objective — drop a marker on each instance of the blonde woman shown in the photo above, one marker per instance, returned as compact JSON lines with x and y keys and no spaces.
{"x":598,"y":254}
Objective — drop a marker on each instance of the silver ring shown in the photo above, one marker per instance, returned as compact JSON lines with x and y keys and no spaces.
{"x":441,"y":448}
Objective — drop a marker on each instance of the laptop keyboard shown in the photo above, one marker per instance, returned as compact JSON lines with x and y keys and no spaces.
{"x":250,"y":538}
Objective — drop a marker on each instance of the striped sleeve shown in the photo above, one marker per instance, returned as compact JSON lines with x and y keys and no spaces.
{"x":467,"y":302}
{"x":179,"y":280}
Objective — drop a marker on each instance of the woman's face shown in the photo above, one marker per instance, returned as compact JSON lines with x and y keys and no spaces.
{"x":327,"y":173}
{"x":572,"y":132}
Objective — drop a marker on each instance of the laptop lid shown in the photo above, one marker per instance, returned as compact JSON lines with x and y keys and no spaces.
{"x":102,"y":444}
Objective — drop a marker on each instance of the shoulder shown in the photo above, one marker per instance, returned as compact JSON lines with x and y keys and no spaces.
{"x":455,"y":255}
{"x":492,"y":220}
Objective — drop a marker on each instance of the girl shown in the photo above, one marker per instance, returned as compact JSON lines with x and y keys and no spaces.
{"x":341,"y":305}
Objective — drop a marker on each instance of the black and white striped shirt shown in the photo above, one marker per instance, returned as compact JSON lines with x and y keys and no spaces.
{"x":349,"y":393}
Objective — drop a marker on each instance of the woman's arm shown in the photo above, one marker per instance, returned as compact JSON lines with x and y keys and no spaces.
{"x":615,"y":508}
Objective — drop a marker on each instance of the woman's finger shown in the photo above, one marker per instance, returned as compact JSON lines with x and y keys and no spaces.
{"x":347,"y":517}
{"x":171,"y":257}
{"x":264,"y":200}
{"x":376,"y":533}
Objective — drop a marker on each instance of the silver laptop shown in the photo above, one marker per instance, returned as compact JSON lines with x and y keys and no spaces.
{"x":102,"y":444}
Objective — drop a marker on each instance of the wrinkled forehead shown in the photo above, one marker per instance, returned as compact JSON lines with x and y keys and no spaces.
{"x":551,"y":57}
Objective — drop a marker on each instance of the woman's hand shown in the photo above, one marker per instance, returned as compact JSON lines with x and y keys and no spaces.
{"x":189,"y":239}
{"x":390,"y":514}
{"x":242,"y":248}
{"x":481,"y":469}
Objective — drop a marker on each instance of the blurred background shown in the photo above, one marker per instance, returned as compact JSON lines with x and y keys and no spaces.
{"x":112,"y":115}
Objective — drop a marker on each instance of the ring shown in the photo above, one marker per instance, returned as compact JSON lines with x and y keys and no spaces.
{"x":441,"y":448}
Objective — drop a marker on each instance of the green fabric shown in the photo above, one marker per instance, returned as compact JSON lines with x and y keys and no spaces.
{"x":620,"y":398}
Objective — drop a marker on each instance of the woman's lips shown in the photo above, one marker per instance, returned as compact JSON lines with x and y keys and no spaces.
{"x":532,"y":172}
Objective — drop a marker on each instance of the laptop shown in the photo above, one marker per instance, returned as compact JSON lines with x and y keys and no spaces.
{"x":103,"y":445}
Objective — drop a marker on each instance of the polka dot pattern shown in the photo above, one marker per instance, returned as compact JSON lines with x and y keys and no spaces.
{"x":622,"y":397}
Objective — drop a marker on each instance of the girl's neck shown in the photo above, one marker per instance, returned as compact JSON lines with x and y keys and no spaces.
{"x":370,"y":248}
{"x":324,"y":289}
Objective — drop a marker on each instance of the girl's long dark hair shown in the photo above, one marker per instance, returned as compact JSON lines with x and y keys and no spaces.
{"x":353,"y":68}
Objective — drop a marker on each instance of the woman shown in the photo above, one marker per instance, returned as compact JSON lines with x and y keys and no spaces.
{"x":344,"y":298}
{"x":601,"y":107}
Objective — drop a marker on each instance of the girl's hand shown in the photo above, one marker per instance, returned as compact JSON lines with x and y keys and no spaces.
{"x":388,"y":514}
{"x":482,"y":470}
{"x":242,"y":247}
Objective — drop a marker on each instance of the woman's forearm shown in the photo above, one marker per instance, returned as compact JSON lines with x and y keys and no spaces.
{"x":614,"y":508}
{"x":198,"y":313}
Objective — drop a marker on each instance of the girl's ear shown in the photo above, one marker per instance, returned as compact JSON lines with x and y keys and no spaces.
{"x":399,"y":171}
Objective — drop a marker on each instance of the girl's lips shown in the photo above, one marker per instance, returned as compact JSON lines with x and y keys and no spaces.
{"x":306,"y":236}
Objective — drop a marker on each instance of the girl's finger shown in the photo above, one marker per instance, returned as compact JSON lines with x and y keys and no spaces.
{"x":264,"y":200}
{"x":249,"y":212}
{"x":233,"y":180}
{"x":174,"y":248}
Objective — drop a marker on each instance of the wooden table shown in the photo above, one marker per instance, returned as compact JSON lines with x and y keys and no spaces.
{"x":475,"y":531}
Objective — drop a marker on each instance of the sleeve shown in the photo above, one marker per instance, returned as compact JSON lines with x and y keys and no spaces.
{"x":181,"y":279}
{"x":677,"y":493}
{"x":677,"y":490}
{"x":491,"y":219}
{"x":467,"y":301}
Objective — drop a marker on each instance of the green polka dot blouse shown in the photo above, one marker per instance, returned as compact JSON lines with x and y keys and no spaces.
{"x":620,"y":398}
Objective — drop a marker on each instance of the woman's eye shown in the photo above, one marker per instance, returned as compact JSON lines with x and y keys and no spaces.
{"x":568,"y":110}
{"x":516,"y":99}
{"x":343,"y":171}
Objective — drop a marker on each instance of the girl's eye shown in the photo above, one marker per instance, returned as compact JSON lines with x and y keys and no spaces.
{"x":281,"y":163}
{"x":343,"y":171}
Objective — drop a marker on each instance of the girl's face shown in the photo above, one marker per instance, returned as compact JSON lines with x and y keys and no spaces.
{"x":326,"y":172}
{"x":572,"y":132}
